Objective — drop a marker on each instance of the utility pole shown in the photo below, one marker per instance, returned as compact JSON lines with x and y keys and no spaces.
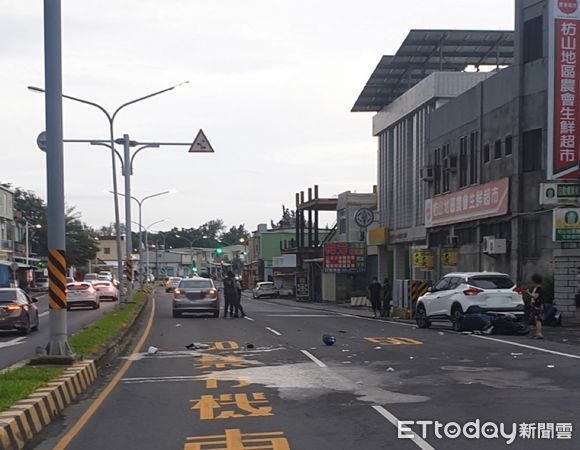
{"x":58,"y":349}
{"x":128,"y":235}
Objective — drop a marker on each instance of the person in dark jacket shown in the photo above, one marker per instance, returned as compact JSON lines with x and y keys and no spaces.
{"x":230,"y":294}
{"x":386,"y":297}
{"x":239,"y":310}
{"x":375,"y":296}
{"x":537,"y":304}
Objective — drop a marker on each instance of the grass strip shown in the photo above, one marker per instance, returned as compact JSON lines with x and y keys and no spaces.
{"x":17,"y":384}
{"x":89,"y":341}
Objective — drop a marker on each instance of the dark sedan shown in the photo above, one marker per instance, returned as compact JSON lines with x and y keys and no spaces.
{"x":195,"y":295}
{"x":18,"y":311}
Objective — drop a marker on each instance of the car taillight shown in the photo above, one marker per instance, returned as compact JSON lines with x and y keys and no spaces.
{"x":13,"y":308}
{"x":212,"y":293}
{"x":472,"y":291}
{"x":519,"y":290}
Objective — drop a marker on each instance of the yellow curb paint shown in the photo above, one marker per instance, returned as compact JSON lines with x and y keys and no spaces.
{"x":4,"y":438}
{"x":33,"y":415}
{"x":19,"y":417}
{"x":78,"y":426}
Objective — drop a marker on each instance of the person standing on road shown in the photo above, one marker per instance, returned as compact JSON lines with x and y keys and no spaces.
{"x":537,"y":304}
{"x":375,"y":296}
{"x":386,"y":297}
{"x":230,"y":294}
{"x":239,"y":310}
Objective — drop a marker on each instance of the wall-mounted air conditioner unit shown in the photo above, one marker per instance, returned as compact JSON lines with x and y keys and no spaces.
{"x":426,"y":173}
{"x":494,"y":246}
{"x":450,"y":163}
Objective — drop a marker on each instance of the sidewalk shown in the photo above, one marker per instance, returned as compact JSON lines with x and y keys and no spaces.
{"x":567,"y":334}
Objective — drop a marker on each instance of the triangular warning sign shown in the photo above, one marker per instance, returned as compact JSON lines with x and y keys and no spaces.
{"x":201,"y":144}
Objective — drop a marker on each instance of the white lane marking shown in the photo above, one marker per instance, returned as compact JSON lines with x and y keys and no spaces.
{"x":314,"y":358}
{"x":15,"y":341}
{"x":248,"y":318}
{"x":45,"y":313}
{"x":377,"y":320}
{"x":531,"y":347}
{"x":273,"y":331}
{"x":416,"y":439}
{"x":300,"y":315}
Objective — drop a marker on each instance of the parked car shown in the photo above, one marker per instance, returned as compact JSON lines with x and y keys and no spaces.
{"x":172,"y":283}
{"x":457,"y":294}
{"x":265,"y":289}
{"x":105,"y":275}
{"x":91,"y":277}
{"x":18,"y":311}
{"x":195,"y":295}
{"x":106,"y":290}
{"x":41,"y":284}
{"x":82,"y":294}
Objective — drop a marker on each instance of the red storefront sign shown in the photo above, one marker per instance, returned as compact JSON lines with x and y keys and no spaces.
{"x":478,"y":202}
{"x":564,"y":85}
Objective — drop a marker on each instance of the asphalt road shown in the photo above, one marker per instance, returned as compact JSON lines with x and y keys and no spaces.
{"x":290,"y":391}
{"x":14,"y":347}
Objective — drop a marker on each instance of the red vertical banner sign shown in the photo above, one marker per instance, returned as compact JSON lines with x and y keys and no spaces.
{"x":564,"y":90}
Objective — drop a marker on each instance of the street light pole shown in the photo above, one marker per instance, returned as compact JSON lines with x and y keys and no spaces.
{"x":58,"y":347}
{"x":111,"y":145}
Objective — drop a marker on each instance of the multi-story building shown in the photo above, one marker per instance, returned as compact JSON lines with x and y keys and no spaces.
{"x":6,"y":234}
{"x":428,"y":70}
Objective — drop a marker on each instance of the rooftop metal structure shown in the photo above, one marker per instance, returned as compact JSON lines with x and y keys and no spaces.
{"x":426,"y":51}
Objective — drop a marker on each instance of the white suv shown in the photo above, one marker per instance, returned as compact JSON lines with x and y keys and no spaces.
{"x":457,"y":294}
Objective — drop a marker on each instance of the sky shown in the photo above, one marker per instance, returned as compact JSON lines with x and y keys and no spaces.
{"x":271,"y":83}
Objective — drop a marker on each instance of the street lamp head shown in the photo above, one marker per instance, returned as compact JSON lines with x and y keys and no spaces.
{"x":38,"y":226}
{"x":242,"y":240}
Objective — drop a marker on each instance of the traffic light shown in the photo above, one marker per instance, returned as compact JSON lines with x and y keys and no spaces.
{"x":194,"y":269}
{"x":41,"y":264}
{"x":219,"y":250}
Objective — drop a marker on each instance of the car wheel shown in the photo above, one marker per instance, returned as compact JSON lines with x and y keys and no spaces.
{"x":421,"y":317}
{"x":457,"y":318}
{"x":26,"y":329}
{"x":95,"y":305}
{"x":216,"y":314}
{"x":68,"y":308}
{"x":176,"y":314}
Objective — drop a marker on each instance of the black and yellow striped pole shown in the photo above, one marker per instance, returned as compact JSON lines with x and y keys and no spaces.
{"x":58,"y":349}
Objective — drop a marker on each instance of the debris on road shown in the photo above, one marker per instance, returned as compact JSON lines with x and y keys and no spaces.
{"x":177,"y":324}
{"x":550,"y":366}
{"x":378,"y":348}
{"x":390,"y":369}
{"x":516,"y":354}
{"x":152,"y":350}
{"x":411,"y":357}
{"x":441,"y":333}
{"x":341,"y":331}
{"x":328,"y":339}
{"x":250,"y":345}
{"x":197,"y":346}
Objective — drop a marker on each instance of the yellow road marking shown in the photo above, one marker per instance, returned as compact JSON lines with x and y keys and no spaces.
{"x":246,"y":406}
{"x":227,"y":345}
{"x":75,"y":430}
{"x":393,"y":341}
{"x":234,"y":439}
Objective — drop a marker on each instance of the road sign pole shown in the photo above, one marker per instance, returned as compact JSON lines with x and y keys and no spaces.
{"x":128,"y":236}
{"x":58,"y":347}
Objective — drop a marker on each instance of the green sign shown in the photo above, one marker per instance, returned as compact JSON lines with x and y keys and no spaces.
{"x":566,"y":225}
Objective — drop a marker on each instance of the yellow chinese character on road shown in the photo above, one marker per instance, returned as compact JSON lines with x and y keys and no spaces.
{"x":212,"y":383}
{"x":236,"y":440}
{"x":225,"y":345}
{"x":220,"y":362}
{"x":246,"y":407}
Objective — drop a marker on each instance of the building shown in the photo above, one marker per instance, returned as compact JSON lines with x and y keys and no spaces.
{"x":489,"y":199}
{"x":428,"y":70}
{"x":107,"y":254}
{"x":6,"y":235}
{"x":263,"y":247}
{"x":341,"y":280}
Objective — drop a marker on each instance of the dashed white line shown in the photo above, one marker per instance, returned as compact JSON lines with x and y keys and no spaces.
{"x":45,"y":313}
{"x":416,"y":439}
{"x":274,"y":331}
{"x":12,"y":342}
{"x":531,"y":347}
{"x":314,"y":358}
{"x":248,"y":318}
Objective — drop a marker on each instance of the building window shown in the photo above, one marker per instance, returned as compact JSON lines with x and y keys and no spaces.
{"x":342,"y":226}
{"x":497,"y":149}
{"x":532,"y":150}
{"x":533,"y":39}
{"x":508,"y":145}
{"x":473,"y":161}
{"x":486,"y":153}
{"x":446,"y":176}
{"x":107,"y":250}
{"x":437,"y":171}
{"x":463,"y":161}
